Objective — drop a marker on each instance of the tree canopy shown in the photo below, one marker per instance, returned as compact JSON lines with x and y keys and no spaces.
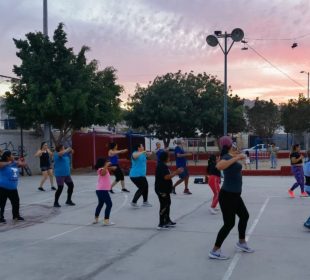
{"x":263,"y":118}
{"x":59,"y":87}
{"x":181,"y":105}
{"x":295,"y":115}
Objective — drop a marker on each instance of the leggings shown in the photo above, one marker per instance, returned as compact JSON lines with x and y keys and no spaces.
{"x":143,"y":188}
{"x":214,"y":183}
{"x":232,"y":205}
{"x":299,"y":176}
{"x":103,"y":198}
{"x":164,"y":210}
{"x":12,"y":195}
{"x":60,"y":185}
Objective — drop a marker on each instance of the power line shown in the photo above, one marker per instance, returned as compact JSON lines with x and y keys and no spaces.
{"x":279,"y":39}
{"x":274,"y":66}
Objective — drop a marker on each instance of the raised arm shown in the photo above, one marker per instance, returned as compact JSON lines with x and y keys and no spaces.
{"x":223,"y":163}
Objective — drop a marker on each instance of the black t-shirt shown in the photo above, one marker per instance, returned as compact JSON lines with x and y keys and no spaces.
{"x":45,"y":159}
{"x":162,"y":185}
{"x":232,"y":176}
{"x":295,"y":155}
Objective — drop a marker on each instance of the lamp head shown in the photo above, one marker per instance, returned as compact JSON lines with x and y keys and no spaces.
{"x":237,"y":34}
{"x":212,"y":40}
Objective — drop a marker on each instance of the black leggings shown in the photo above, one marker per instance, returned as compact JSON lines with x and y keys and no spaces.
{"x":164,"y":210}
{"x":59,"y":191}
{"x":231,"y":205}
{"x":12,"y":195}
{"x":143,"y":188}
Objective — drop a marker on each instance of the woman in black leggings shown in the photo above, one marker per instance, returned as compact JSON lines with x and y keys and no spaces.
{"x":230,"y":199}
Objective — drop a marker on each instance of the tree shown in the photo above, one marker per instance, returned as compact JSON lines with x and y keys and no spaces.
{"x":263,"y":118}
{"x":181,"y":105}
{"x":295,"y":115}
{"x":60,"y":87}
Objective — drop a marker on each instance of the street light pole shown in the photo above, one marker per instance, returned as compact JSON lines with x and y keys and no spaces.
{"x":307,"y":133}
{"x":236,"y":35}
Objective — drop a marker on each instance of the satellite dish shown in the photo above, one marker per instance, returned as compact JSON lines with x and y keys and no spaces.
{"x":237,"y":34}
{"x":212,"y":40}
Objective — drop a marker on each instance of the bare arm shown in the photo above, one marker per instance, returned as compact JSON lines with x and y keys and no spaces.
{"x":113,"y":153}
{"x":295,"y":160}
{"x":68,"y":150}
{"x":38,"y":153}
{"x":184,"y":155}
{"x":4,"y":163}
{"x":223,"y":164}
{"x":176,"y":172}
{"x":135,"y":155}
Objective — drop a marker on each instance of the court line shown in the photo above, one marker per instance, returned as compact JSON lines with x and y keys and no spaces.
{"x":237,"y":255}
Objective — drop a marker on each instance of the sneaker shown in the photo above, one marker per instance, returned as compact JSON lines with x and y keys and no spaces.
{"x":160,"y":227}
{"x":217,"y":255}
{"x":171,"y":224}
{"x":2,"y":221}
{"x":111,"y":191}
{"x":70,"y":203}
{"x":186,"y":191}
{"x":134,"y":205}
{"x":53,"y":188}
{"x":108,"y":223}
{"x":307,"y":225}
{"x":146,"y":204}
{"x":291,"y":193}
{"x":304,"y":194}
{"x":125,"y":190}
{"x":19,"y":218}
{"x":41,"y":189}
{"x":173,"y":191}
{"x":213,"y":211}
{"x":244,"y":247}
{"x":56,"y":204}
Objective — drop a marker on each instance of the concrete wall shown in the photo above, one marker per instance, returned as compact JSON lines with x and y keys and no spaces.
{"x":32,"y":143}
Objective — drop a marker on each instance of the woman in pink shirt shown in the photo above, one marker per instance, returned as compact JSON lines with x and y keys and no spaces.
{"x":102,"y":190}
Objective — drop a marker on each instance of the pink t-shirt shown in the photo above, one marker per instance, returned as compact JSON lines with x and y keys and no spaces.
{"x":103,"y":181}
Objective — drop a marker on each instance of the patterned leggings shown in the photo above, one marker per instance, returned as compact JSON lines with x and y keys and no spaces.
{"x":299,"y":176}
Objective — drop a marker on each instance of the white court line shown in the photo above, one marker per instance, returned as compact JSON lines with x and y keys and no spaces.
{"x":237,"y":256}
{"x":76,"y":228}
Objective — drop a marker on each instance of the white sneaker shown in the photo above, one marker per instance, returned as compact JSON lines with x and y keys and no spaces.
{"x":134,"y":205}
{"x":217,"y":255}
{"x":146,"y":204}
{"x":108,"y":224}
{"x":213,"y":211}
{"x":244,"y":247}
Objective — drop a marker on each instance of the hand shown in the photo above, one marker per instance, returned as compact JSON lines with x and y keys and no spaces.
{"x":179,"y":170}
{"x":125,"y":150}
{"x":241,"y":156}
{"x":107,"y":164}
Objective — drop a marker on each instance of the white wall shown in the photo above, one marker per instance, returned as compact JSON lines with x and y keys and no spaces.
{"x":32,"y":143}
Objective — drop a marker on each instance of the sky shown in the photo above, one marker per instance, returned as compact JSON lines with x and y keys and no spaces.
{"x":146,"y":38}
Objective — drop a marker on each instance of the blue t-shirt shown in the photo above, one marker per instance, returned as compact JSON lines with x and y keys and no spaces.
{"x":232,"y":176}
{"x":114,"y":159}
{"x":9,"y":176}
{"x":62,"y":164}
{"x":138,"y":166}
{"x":179,"y":161}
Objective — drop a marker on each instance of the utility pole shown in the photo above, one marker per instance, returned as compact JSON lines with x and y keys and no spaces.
{"x":47,"y":130}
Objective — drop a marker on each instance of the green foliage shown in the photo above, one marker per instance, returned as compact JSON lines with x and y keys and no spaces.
{"x":60,"y":87}
{"x":295,"y":115}
{"x":263,"y":118}
{"x":179,"y":105}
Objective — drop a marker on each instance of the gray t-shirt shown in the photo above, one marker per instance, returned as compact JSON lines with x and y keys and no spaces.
{"x":232,"y":176}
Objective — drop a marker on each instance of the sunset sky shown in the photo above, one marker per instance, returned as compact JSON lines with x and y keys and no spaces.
{"x":146,"y":38}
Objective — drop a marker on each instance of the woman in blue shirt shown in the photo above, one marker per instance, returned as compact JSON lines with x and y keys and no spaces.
{"x":137,"y":175}
{"x":62,"y":170}
{"x":8,"y":185}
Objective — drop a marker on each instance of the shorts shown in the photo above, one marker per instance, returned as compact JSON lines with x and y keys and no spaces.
{"x":45,"y":168}
{"x":63,"y":179}
{"x":118,"y":173}
{"x":184,"y":174}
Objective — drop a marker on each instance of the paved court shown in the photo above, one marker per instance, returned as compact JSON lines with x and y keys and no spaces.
{"x":63,"y":244}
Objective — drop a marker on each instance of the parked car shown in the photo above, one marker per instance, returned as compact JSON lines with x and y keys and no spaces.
{"x":259,"y":148}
